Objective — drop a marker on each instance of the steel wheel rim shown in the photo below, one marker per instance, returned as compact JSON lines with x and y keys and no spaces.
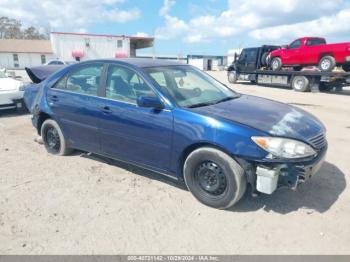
{"x":274,"y":64}
{"x":211,"y":178}
{"x":52,"y":138}
{"x":299,"y":84}
{"x":325,"y":64}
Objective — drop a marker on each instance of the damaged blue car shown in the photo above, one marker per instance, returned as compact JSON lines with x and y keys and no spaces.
{"x":178,"y":121}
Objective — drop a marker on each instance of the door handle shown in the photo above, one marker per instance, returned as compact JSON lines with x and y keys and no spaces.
{"x":106,"y":109}
{"x":54,"y":98}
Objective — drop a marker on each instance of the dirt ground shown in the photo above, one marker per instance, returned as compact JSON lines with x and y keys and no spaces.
{"x":83,"y":204}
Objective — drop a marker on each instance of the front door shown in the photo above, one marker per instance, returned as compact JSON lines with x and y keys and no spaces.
{"x":293,"y":55}
{"x":74,"y":102}
{"x":129,"y":132}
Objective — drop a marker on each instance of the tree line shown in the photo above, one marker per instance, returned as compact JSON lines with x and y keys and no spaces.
{"x":12,"y":29}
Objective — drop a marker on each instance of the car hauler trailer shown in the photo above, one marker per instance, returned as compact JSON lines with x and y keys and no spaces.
{"x":253,"y":65}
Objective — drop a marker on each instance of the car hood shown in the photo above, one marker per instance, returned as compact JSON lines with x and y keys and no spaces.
{"x":9,"y":84}
{"x":274,"y":118}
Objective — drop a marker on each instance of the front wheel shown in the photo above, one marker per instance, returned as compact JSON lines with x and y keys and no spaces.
{"x":214,"y":178}
{"x":276,"y":64}
{"x":232,"y":77}
{"x":53,"y":138}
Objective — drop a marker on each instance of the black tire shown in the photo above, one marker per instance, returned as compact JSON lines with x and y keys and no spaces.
{"x":326,"y":87}
{"x":346,"y":67}
{"x":276,"y":64}
{"x":301,"y":84}
{"x":264,"y":59}
{"x":327,"y":64}
{"x":53,"y":138}
{"x":214,"y":178}
{"x":22,"y":109}
{"x":232,"y":77}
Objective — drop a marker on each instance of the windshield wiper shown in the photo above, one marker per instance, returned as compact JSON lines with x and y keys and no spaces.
{"x":225,"y":99}
{"x":213,"y":102}
{"x":201,"y":104}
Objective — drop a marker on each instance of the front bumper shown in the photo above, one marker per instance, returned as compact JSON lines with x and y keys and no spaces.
{"x":11,"y":99}
{"x":266,"y":176}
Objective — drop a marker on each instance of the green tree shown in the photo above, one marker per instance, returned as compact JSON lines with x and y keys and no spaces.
{"x":12,"y":29}
{"x":32,"y":33}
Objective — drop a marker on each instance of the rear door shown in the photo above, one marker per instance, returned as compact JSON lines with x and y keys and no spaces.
{"x":130,"y":132}
{"x":74,"y":102}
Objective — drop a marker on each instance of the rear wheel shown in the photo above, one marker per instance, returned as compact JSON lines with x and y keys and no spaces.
{"x":53,"y":138}
{"x":232,"y":77}
{"x":276,"y":64}
{"x":214,"y":178}
{"x":300,"y":84}
{"x":326,"y":64}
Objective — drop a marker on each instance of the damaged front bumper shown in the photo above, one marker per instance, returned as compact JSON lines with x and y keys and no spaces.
{"x":267,"y":175}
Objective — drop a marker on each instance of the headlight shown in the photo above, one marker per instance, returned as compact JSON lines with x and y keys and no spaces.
{"x":284,"y":147}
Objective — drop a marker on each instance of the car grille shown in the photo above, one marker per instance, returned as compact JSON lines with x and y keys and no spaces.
{"x":318,"y":141}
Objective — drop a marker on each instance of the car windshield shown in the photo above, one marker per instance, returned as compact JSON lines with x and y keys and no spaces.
{"x":190,"y":87}
{"x":2,"y":74}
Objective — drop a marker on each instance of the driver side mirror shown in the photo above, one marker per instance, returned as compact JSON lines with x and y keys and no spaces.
{"x":150,"y":101}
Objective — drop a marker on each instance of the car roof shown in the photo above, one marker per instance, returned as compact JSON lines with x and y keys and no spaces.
{"x":144,"y":62}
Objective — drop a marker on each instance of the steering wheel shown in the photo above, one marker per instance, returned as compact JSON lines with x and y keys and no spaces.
{"x":197,"y":91}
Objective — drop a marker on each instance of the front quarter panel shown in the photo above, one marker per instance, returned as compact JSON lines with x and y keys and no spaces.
{"x":192,"y":129}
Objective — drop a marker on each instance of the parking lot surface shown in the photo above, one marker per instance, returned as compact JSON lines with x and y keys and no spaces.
{"x":84,"y":204}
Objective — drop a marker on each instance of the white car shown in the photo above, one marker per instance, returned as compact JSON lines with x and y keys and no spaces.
{"x":56,"y":62}
{"x":11,"y":93}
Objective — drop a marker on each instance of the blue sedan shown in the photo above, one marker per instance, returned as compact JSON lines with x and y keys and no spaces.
{"x":176,"y":120}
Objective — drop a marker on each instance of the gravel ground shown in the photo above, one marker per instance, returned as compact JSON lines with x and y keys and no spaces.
{"x":83,"y":204}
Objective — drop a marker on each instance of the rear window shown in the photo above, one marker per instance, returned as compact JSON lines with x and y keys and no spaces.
{"x":315,"y":41}
{"x":248,"y":55}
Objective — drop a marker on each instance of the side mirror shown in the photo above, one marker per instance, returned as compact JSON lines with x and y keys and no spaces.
{"x":150,"y":101}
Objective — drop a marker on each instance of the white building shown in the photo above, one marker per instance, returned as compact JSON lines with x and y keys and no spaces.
{"x":19,"y":53}
{"x":79,"y":46}
{"x":207,"y":62}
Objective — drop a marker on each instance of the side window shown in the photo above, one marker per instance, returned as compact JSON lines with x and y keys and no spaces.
{"x":84,"y":81}
{"x":125,"y":85}
{"x":243,"y":56}
{"x":315,"y":41}
{"x":251,"y":56}
{"x":295,"y":44}
{"x":43,"y":59}
{"x":119,"y":43}
{"x":15,"y":60}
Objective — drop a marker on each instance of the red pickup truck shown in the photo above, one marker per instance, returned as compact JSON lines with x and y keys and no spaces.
{"x":310,"y":51}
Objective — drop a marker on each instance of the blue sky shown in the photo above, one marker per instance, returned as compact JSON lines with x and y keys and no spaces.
{"x":190,"y":26}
